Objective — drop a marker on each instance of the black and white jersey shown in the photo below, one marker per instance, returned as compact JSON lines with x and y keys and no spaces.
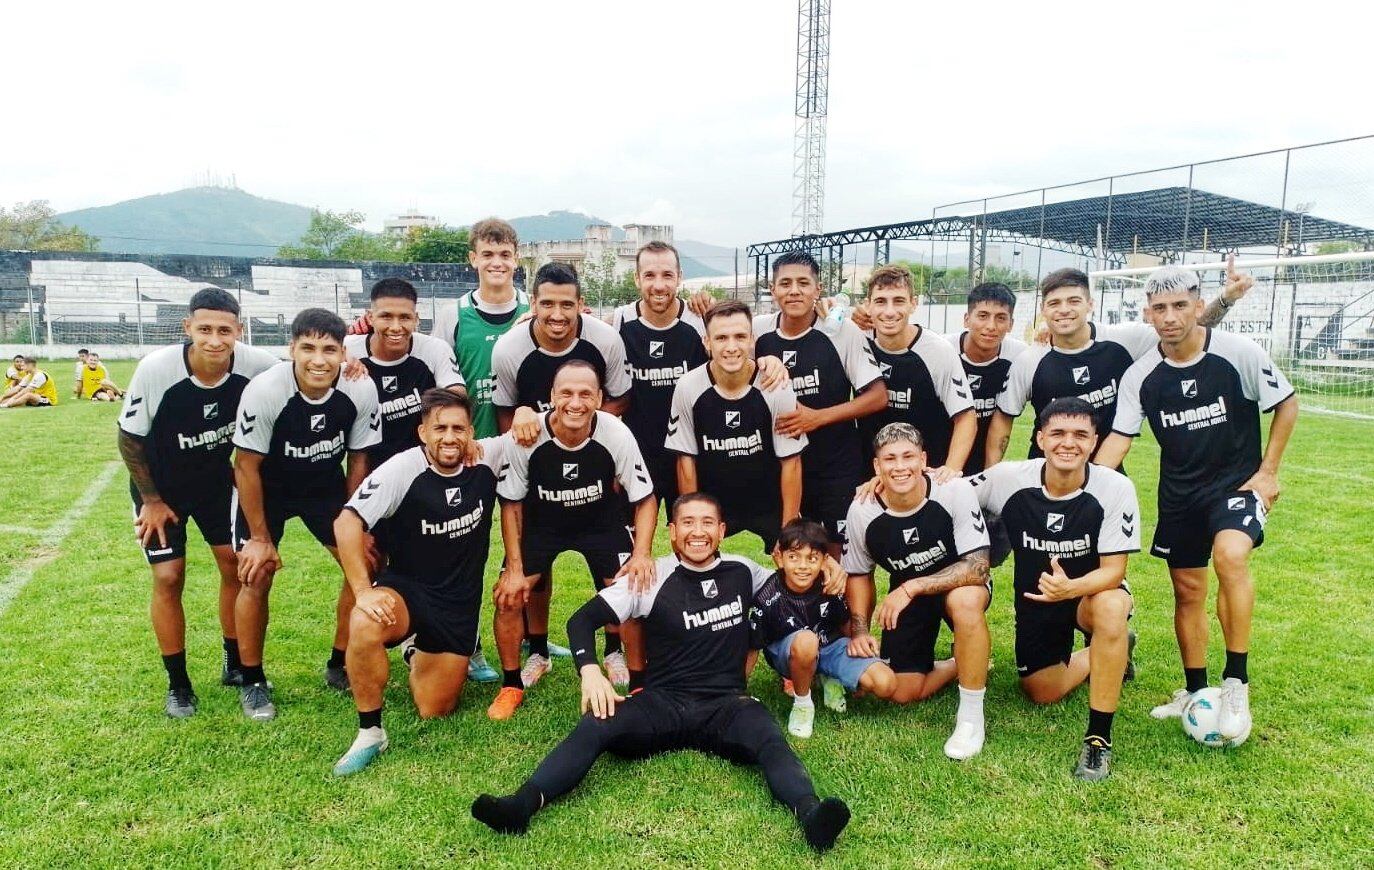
{"x":188,"y":427}
{"x":737,"y":449}
{"x":429,"y":363}
{"x":438,"y":526}
{"x":830,"y":363}
{"x":304,"y":439}
{"x":1101,"y":519}
{"x":573,"y":489}
{"x":945,"y":527}
{"x":658,"y":359}
{"x":1204,"y":413}
{"x":778,"y":611}
{"x":1093,"y":373}
{"x":925,"y":387}
{"x":524,"y":371}
{"x":985,"y":381}
{"x":696,"y":629}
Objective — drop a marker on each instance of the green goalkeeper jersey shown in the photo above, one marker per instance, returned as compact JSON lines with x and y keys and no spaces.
{"x":474,"y":335}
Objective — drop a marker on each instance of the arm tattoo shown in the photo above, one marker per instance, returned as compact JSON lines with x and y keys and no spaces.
{"x":1214,"y":313}
{"x":136,"y":460}
{"x":971,"y":570}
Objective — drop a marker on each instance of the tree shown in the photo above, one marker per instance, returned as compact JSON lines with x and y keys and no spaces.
{"x":33,"y":226}
{"x":601,"y":287}
{"x":339,"y":236}
{"x":436,"y":245}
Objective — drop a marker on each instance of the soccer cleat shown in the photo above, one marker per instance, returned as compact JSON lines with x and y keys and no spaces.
{"x":230,"y":676}
{"x":408,"y":652}
{"x":181,"y":702}
{"x":256,"y":701}
{"x":336,"y":678}
{"x":1130,"y":657}
{"x":1094,"y":760}
{"x":616,"y":669}
{"x":966,"y":741}
{"x":1235,"y":709}
{"x":535,"y":667}
{"x":823,"y":823}
{"x":369,"y":743}
{"x":1174,"y":708}
{"x":503,"y":815}
{"x":479,"y":671}
{"x":832,"y":695}
{"x":504,"y":704}
{"x":800,"y":720}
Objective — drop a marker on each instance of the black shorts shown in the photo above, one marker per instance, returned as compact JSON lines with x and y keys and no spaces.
{"x":317,"y":513}
{"x":605,"y":549}
{"x":1044,"y":633}
{"x":441,"y":623}
{"x":999,"y":540}
{"x":209,"y":507}
{"x":826,"y":499}
{"x":910,"y":647}
{"x":1184,"y":538}
{"x":663,"y":472}
{"x":765,"y":525}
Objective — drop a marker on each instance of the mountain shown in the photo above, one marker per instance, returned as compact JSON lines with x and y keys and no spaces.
{"x":197,"y":220}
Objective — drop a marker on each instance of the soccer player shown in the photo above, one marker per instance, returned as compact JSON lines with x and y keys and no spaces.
{"x":724,"y":432}
{"x":96,"y":383}
{"x":697,"y":636}
{"x":803,"y":632}
{"x":175,"y":436}
{"x":836,"y":381}
{"x":35,"y":389}
{"x":14,"y":372}
{"x":1072,"y":526}
{"x":925,"y":382}
{"x":1203,"y":392}
{"x":572,"y":490}
{"x":297,"y":420}
{"x":931,"y":539}
{"x":1082,"y":359}
{"x":986,"y":351}
{"x":402,"y":365}
{"x":78,"y":373}
{"x":437,"y":514}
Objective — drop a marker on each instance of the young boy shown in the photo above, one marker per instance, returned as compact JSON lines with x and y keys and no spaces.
{"x":804,"y":632}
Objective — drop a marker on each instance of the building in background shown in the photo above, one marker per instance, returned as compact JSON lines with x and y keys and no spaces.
{"x":597,"y":245}
{"x":402,"y":224}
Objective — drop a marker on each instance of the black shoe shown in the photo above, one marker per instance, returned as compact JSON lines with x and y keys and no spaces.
{"x":1130,"y":657}
{"x":823,"y":823}
{"x":1095,"y":760}
{"x":503,"y":815}
{"x":231,"y":676}
{"x":181,"y":702}
{"x":336,"y":678}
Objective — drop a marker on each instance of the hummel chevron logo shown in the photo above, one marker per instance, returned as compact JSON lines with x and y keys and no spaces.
{"x":376,"y":422}
{"x":1130,"y":530}
{"x":369,"y":487}
{"x":129,"y":413}
{"x":978,"y":524}
{"x":1128,"y":518}
{"x":1269,"y":375}
{"x":136,"y":400}
{"x":246,"y":427}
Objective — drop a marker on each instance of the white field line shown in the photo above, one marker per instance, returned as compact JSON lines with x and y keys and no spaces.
{"x":13,"y":584}
{"x":18,"y":530}
{"x":1327,"y":472}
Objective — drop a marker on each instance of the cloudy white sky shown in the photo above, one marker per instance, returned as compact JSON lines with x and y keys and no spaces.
{"x":654,"y":112}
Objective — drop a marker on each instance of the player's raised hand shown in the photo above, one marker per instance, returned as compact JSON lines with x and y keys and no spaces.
{"x":859,"y":315}
{"x":376,"y":604}
{"x":354,"y":369}
{"x":1265,"y":485}
{"x":869,"y":490}
{"x":640,"y":572}
{"x":772,"y":373}
{"x":152,"y":522}
{"x":472,"y":453}
{"x":1055,"y":585}
{"x":1237,"y":283}
{"x":524,"y":428}
{"x":599,"y":696}
{"x":945,"y":473}
{"x":361,"y":326}
{"x":700,"y":302}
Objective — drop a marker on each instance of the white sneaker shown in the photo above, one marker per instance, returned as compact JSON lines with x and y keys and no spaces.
{"x":832,"y":694}
{"x":966,"y":741}
{"x":535,"y":667}
{"x":1235,"y":709}
{"x":800,"y":720}
{"x":1174,"y":708}
{"x":616,"y":669}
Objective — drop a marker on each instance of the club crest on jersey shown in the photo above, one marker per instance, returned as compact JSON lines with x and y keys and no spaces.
{"x":1080,"y":375}
{"x":975,"y":381}
{"x":709,"y":589}
{"x":911,"y":536}
{"x":885,"y":369}
{"x":454,"y":496}
{"x":1190,"y":388}
{"x":656,"y":349}
{"x":840,"y":526}
{"x":1055,"y":522}
{"x":389,"y":383}
{"x":1235,"y":504}
{"x":570,"y":471}
{"x":210,"y":410}
{"x":825,"y":606}
{"x":789,"y":358}
{"x":732,"y":419}
{"x":317,"y":422}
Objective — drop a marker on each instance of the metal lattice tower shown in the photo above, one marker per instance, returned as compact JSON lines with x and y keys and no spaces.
{"x":813,"y":85}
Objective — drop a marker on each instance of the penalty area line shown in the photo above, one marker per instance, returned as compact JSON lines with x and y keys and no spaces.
{"x":13,"y":584}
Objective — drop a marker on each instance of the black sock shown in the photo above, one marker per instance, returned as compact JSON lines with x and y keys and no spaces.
{"x":1195,"y":679}
{"x":509,"y":814}
{"x":539,"y":645}
{"x":1236,"y":666}
{"x":1100,"y":725}
{"x":176,"y":671}
{"x":806,"y":805}
{"x":511,"y":679}
{"x":336,"y":658}
{"x":231,"y":654}
{"x":253,"y":674}
{"x":370,"y":718}
{"x":612,"y":643}
{"x":636,"y":680}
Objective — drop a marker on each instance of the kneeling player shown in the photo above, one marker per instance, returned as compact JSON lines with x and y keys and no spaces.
{"x":697,"y":637}
{"x":803,"y":631}
{"x":931,"y":539}
{"x":437,"y":514}
{"x":1071,"y":526}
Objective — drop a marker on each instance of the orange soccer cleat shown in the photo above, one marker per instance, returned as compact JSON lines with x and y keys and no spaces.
{"x":503,"y":706}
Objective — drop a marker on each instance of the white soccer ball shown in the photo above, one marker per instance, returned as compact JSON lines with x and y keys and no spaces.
{"x":1200,"y":718}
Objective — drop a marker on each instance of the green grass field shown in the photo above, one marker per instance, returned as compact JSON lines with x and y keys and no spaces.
{"x":92,"y":774}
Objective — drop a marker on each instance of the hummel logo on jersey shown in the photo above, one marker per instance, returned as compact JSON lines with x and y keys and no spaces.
{"x":656,"y":349}
{"x":369,"y":487}
{"x":317,"y":422}
{"x":975,"y":381}
{"x":1269,"y":376}
{"x":210,"y":411}
{"x":732,"y":419}
{"x":454,"y":495}
{"x":389,"y":383}
{"x":570,"y":471}
{"x":709,"y":589}
{"x":1190,"y":388}
{"x":718,"y":617}
{"x":246,"y":427}
{"x":978,"y":523}
{"x":789,"y":358}
{"x":1055,"y":522}
{"x":1080,"y":375}
{"x":1235,"y":504}
{"x":911,"y":536}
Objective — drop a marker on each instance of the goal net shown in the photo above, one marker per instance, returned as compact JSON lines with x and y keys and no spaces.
{"x":1314,"y":314}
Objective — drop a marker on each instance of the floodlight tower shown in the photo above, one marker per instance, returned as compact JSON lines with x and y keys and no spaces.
{"x":813,"y":85}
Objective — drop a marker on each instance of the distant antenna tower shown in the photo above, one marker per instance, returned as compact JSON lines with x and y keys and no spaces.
{"x":813,"y":86}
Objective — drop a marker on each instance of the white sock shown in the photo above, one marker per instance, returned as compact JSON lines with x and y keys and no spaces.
{"x":803,"y":701}
{"x":368,"y":737}
{"x":970,"y":706}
